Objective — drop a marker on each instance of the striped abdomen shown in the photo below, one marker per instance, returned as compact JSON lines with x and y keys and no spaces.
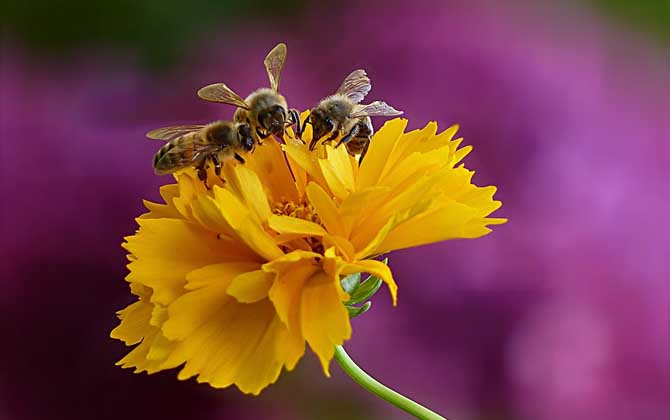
{"x":176,"y":154}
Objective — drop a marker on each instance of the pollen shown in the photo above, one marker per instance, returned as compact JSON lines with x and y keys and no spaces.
{"x":301,"y":210}
{"x":305,"y":211}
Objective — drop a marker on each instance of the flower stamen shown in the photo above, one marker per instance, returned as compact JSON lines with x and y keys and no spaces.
{"x":305,"y":211}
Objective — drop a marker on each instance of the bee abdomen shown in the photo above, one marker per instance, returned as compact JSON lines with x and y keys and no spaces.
{"x":166,"y":160}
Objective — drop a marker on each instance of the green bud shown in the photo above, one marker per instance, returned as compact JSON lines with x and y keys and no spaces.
{"x":351,"y":282}
{"x":365,"y":290}
{"x":354,"y":311}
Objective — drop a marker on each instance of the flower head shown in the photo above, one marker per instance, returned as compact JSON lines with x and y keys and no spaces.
{"x":233,"y":280}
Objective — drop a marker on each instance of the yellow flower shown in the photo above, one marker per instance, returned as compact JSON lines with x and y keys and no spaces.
{"x":232,"y":281}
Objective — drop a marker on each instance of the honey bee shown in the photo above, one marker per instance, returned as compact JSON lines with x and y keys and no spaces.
{"x":197,"y":145}
{"x":341,"y":115}
{"x":264,"y":110}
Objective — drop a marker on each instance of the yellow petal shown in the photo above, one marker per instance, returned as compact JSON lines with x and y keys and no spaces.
{"x":165,"y":250}
{"x":448,"y":221}
{"x":247,"y":228}
{"x":190,"y":311}
{"x":276,"y":348}
{"x":362,"y":205}
{"x":205,"y":211}
{"x":160,"y":348}
{"x":406,"y":145}
{"x":307,"y":160}
{"x":325,"y":208}
{"x":134,"y":323}
{"x":375,"y":160}
{"x":299,"y":173}
{"x":337,"y":171}
{"x":137,"y":358}
{"x":293,"y":225}
{"x":189,"y":188}
{"x":370,"y":248}
{"x":291,"y":271}
{"x":251,"y":286}
{"x":241,"y":344}
{"x":167,"y":210}
{"x":345,"y":248}
{"x":269,"y":164}
{"x":324,"y":319}
{"x":218,"y":273}
{"x":376,"y":268}
{"x":244,"y":183}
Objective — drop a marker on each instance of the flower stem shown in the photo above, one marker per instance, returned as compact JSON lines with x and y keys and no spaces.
{"x":383,"y":392}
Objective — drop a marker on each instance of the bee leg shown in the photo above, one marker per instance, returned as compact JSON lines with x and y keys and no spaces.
{"x":352,"y":133}
{"x":239,"y":158}
{"x":202,"y":172}
{"x":217,"y":166}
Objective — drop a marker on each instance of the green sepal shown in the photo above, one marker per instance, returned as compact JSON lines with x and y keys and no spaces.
{"x":354,"y":311}
{"x":351,"y":282}
{"x":365,"y":290}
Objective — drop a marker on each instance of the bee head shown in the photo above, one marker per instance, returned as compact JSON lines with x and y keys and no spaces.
{"x":273,"y":120}
{"x":245,"y":138}
{"x":322,"y":124}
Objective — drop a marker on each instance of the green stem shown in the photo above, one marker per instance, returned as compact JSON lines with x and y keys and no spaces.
{"x":387,"y":394}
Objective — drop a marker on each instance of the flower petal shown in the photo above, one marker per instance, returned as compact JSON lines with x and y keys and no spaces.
{"x":244,"y":183}
{"x":307,"y":160}
{"x":251,"y":286}
{"x":449,"y":220}
{"x":134,"y":323}
{"x":166,"y":250}
{"x":337,"y":171}
{"x":248,"y":230}
{"x":218,"y":273}
{"x":376,"y":158}
{"x":269,"y":163}
{"x":323,"y":317}
{"x":325,"y":208}
{"x":241,"y":344}
{"x":292,"y":271}
{"x":293,"y":225}
{"x":138,"y":359}
{"x":376,"y":268}
{"x":167,"y":210}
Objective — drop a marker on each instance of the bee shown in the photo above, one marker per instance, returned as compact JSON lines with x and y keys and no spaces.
{"x":197,"y":145}
{"x":265,"y":110}
{"x":342,"y":115}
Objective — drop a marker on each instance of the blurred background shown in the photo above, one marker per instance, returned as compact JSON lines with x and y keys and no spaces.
{"x":563,"y":313}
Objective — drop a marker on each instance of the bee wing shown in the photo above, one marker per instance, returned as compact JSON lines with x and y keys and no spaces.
{"x":187,"y":151}
{"x":219,"y":92}
{"x":375,"y":109}
{"x":355,"y":86}
{"x":274,"y":63}
{"x":173,"y":132}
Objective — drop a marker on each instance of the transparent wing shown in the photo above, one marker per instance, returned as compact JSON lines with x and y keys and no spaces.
{"x":219,"y":92}
{"x":355,"y":86}
{"x":171,"y":133}
{"x":185,"y":152}
{"x":274,"y":63}
{"x":375,"y":109}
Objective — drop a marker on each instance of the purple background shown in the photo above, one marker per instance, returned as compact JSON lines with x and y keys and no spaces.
{"x":563,"y":313}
